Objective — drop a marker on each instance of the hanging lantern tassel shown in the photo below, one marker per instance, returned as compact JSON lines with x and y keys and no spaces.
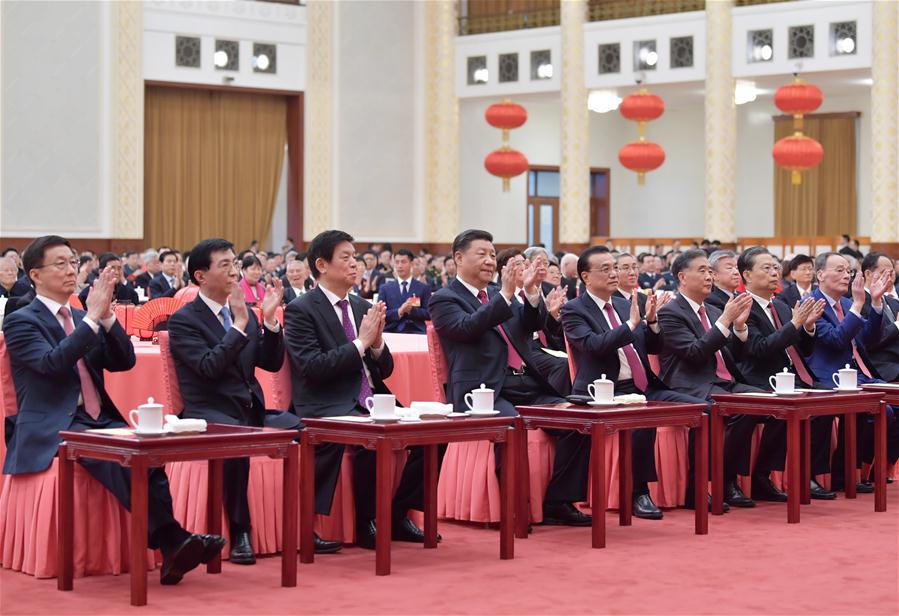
{"x":797,"y":153}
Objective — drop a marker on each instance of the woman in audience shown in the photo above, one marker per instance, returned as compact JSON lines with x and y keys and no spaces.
{"x":553,"y":274}
{"x":251,"y":272}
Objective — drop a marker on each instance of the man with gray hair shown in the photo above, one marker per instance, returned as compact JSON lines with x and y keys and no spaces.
{"x":726,"y":277}
{"x":152,"y":266}
{"x":568,"y":265}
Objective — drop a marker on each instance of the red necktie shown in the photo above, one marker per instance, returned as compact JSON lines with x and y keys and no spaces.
{"x":540,"y":334}
{"x":855,"y":354}
{"x":720,"y":367}
{"x":515,"y":362}
{"x":637,"y":371}
{"x":791,"y":352}
{"x":88,"y":390}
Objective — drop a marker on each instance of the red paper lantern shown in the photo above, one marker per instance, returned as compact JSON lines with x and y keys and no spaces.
{"x":642,"y":157}
{"x":641,"y":108}
{"x":797,"y":153}
{"x":506,"y":115}
{"x":798,"y":99}
{"x":506,"y":163}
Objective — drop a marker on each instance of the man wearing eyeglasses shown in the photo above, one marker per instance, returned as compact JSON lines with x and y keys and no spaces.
{"x":58,"y":355}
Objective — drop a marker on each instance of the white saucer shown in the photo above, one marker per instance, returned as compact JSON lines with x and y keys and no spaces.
{"x":483,"y":413}
{"x":410,"y":420}
{"x":604,"y":403}
{"x":151,"y":432}
{"x":454,"y":415}
{"x":789,"y":394}
{"x":848,"y":389}
{"x":386,"y":419}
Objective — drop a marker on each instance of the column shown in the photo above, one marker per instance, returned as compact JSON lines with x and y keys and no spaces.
{"x":127,"y":117}
{"x":574,"y":168}
{"x":884,"y":94}
{"x":720,"y":125}
{"x":441,"y":172}
{"x":319,"y":145}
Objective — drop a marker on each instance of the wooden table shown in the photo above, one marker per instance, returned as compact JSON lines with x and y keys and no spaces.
{"x":387,"y":438}
{"x":218,"y":443}
{"x":601,"y":421}
{"x":796,"y":411}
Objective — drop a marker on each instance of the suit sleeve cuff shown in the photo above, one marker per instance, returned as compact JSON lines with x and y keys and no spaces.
{"x":358,"y":344}
{"x":92,"y":324}
{"x":108,"y":322}
{"x":273,"y":327}
{"x":242,"y":332}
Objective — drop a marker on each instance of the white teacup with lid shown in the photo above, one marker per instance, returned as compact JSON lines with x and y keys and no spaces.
{"x":147,"y":418}
{"x":783,"y":382}
{"x":846,"y":378}
{"x":480,"y":399}
{"x":602,"y":389}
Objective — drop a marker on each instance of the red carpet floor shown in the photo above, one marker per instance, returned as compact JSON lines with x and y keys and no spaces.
{"x":842,"y":559}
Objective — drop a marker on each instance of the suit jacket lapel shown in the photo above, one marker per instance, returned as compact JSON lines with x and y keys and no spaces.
{"x":767,"y":325}
{"x":209,"y":320}
{"x":48,"y":318}
{"x":692,"y":317}
{"x":466,"y":295}
{"x":326,"y":310}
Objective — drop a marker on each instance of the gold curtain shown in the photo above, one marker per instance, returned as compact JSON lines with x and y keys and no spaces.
{"x":212,"y":165}
{"x":825,"y":203}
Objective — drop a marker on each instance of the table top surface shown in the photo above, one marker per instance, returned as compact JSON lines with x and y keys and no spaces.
{"x":215,"y":434}
{"x":607,"y":413}
{"x":404,"y":428}
{"x":800,"y":399}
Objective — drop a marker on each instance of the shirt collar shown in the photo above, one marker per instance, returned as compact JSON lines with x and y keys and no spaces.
{"x":725,"y":291}
{"x":599,"y":301}
{"x":761,"y":301}
{"x":408,"y":281}
{"x":474,"y":290}
{"x":626,"y":294}
{"x":829,"y":299}
{"x":214,"y":306}
{"x":693,"y":304}
{"x":52,"y":305}
{"x":331,"y":296}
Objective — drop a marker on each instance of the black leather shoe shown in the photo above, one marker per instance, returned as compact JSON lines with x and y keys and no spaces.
{"x":818,"y":492}
{"x":764,"y":489}
{"x":212,"y":545}
{"x":564,"y":514}
{"x":242,"y":550}
{"x":645,"y":508}
{"x":734,"y":496}
{"x":688,"y":503}
{"x":405,"y":529}
{"x":864,"y":487}
{"x":181,"y":560}
{"x":323,"y":546}
{"x":889,"y":480}
{"x":366,"y":536}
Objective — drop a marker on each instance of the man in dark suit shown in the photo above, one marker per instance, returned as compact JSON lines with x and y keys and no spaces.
{"x":608,"y":336}
{"x":11,"y":285}
{"x":217,"y":344}
{"x":568,"y":266}
{"x":338,"y":359}
{"x":802,"y":272}
{"x":884,"y":352}
{"x":58,"y":356}
{"x":486,"y":335}
{"x":842,"y":337}
{"x":152,"y":266}
{"x":406,"y":298}
{"x":778,"y":339}
{"x":725,"y":276}
{"x":628,"y":273}
{"x":122,"y":293}
{"x":696,"y":358}
{"x":167,"y":282}
{"x":296,"y":280}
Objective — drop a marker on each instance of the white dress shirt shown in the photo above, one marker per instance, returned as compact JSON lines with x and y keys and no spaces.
{"x":624,"y":371}
{"x":742,"y":336}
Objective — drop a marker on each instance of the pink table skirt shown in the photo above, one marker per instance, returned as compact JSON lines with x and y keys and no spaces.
{"x":411,"y":378}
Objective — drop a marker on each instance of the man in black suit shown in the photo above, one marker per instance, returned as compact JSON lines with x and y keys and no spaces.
{"x":609,"y":336}
{"x":802,"y":272}
{"x":122,"y":293}
{"x":406,"y":298}
{"x":568,"y":266}
{"x":779,"y":338}
{"x":696,"y":357}
{"x":725,"y":276}
{"x":296,"y":280}
{"x":338,"y":359}
{"x":217,"y":344}
{"x":486,"y":335}
{"x":167,"y":282}
{"x":10,"y":283}
{"x":884,"y":352}
{"x":628,"y":272}
{"x":58,"y":356}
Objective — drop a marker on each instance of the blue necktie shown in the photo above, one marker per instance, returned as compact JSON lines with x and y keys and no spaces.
{"x":404,"y":288}
{"x":226,"y":318}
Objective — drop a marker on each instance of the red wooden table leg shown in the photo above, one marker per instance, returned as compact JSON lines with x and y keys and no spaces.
{"x":65,"y":525}
{"x":430,"y":478}
{"x":383,"y":501}
{"x":307,"y":499}
{"x":507,"y":481}
{"x":598,"y":466}
{"x":793,"y":463}
{"x":214,"y":509}
{"x":880,"y":459}
{"x":700,"y":478}
{"x":138,"y":530}
{"x":625,"y":478}
{"x":523,"y":485}
{"x":290,"y":488}
{"x":717,"y":463}
{"x":850,"y":474}
{"x":805,"y":462}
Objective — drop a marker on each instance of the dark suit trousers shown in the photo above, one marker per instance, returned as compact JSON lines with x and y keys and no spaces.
{"x":571,"y":464}
{"x":864,"y":434}
{"x":643,"y":443}
{"x":163,"y":530}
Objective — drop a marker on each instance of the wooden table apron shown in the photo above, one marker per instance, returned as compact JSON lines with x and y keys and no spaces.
{"x":599,"y":423}
{"x":141,"y":454}
{"x":797,"y":411}
{"x":385,"y":439}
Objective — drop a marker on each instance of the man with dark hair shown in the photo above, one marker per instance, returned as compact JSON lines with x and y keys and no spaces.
{"x":130,"y":262}
{"x":609,"y":336}
{"x":802,"y":274}
{"x":884,"y":352}
{"x":628,"y":272}
{"x":338,"y":359}
{"x":849,"y":247}
{"x":726,"y":277}
{"x":406,"y":298}
{"x":485,"y":333}
{"x":779,"y":336}
{"x":58,"y":355}
{"x":698,"y":359}
{"x":650,"y":277}
{"x":122,"y":293}
{"x":167,"y":282}
{"x":217,"y":343}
